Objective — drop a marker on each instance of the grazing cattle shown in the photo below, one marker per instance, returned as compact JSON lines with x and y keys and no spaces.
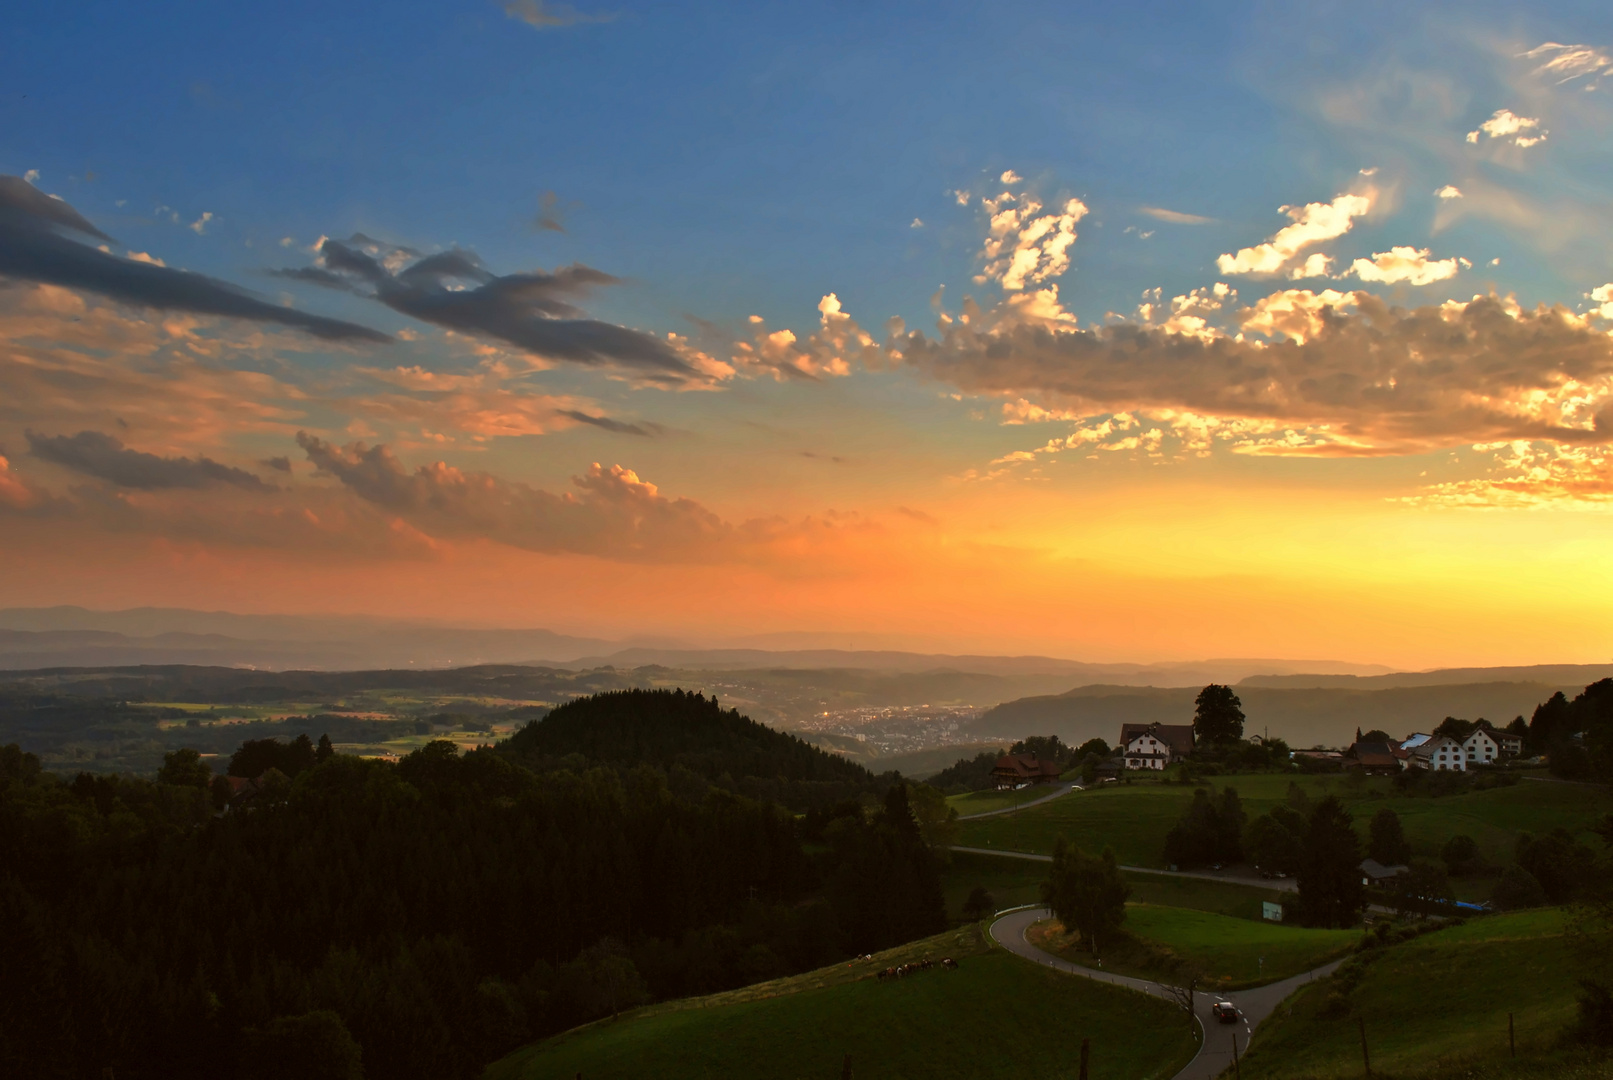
{"x":948,"y":962}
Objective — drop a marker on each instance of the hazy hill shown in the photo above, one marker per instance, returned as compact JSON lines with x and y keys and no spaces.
{"x":1303,"y":716}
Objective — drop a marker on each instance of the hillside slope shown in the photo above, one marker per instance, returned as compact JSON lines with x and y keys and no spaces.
{"x":995,"y":1016}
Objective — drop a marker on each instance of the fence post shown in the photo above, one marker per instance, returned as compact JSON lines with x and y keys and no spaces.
{"x":1086,"y":1049}
{"x":1237,"y":1070}
{"x":845,"y":1068}
{"x":1512,"y":1042}
{"x":1365,"y":1060}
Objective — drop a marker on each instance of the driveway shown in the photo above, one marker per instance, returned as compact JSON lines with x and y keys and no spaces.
{"x":1215,"y":1053}
{"x":1059,"y":789}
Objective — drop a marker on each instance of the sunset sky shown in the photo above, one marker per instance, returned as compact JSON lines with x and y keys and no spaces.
{"x":1171,"y":332}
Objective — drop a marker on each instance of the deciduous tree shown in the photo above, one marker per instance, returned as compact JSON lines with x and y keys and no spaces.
{"x":1217,"y":715}
{"x":1087,"y":894}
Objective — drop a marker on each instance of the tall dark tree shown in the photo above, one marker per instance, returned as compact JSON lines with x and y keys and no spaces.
{"x":1217,"y":715}
{"x":185,"y":767}
{"x":1387,"y":842}
{"x":324,"y":750}
{"x":1088,"y":895}
{"x":1209,"y":831}
{"x":1275,"y":842}
{"x":1330,"y":890}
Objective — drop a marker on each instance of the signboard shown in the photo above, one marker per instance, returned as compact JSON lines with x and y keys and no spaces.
{"x":1269,"y":910}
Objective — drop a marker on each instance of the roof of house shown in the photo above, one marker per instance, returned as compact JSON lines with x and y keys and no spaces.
{"x":1024,"y":766}
{"x":1179,"y":737}
{"x":1434,"y":745}
{"x":1375,"y":870}
{"x":1411,"y":742}
{"x":1372,"y":755}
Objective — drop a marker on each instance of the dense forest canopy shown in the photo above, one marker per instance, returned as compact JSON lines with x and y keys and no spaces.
{"x":443,"y":909}
{"x":673,"y":730}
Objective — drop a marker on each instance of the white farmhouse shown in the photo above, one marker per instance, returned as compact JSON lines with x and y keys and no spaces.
{"x":1439,"y":754}
{"x":1481,"y":747}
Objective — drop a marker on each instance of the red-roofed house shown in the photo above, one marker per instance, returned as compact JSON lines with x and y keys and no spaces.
{"x":1017,"y":770}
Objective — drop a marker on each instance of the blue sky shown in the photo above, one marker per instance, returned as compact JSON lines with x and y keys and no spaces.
{"x":729,"y":161}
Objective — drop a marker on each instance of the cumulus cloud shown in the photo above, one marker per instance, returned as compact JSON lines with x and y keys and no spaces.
{"x":1373,"y":378}
{"x":16,"y":493}
{"x":610,"y":513}
{"x":534,"y":311}
{"x":1523,"y":474}
{"x":35,"y":245}
{"x":1449,"y":191}
{"x":1175,"y":217}
{"x":1404,"y":264}
{"x":106,"y":458}
{"x":1312,"y":224}
{"x":1508,"y":127}
{"x":1023,"y":245}
{"x":541,"y":15}
{"x":831,"y":350}
{"x":1602,"y":296}
{"x":1566,"y":63}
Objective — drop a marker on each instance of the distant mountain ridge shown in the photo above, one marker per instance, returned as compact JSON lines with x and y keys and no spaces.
{"x":1302,"y":715}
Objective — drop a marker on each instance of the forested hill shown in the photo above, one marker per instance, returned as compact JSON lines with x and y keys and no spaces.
{"x":677,"y":731}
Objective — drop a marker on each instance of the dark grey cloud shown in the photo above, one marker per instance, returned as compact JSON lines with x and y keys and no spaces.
{"x":535,"y":311}
{"x":620,"y":427}
{"x":279,"y":464}
{"x":104,"y":457}
{"x":34,"y":247}
{"x":609,"y":512}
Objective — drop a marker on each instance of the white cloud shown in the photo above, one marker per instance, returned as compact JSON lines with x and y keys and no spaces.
{"x":1175,"y":217}
{"x":32,"y":176}
{"x":141,"y":256}
{"x":1313,"y":223}
{"x":1298,"y":314}
{"x":1570,"y":62}
{"x":918,"y":223}
{"x":1508,"y":126}
{"x":1314,"y":266}
{"x":1603,"y":296}
{"x":545,"y":16}
{"x":1024,"y":246}
{"x":199,"y":226}
{"x":1012,"y":177}
{"x":1449,"y":191}
{"x":1404,"y":264}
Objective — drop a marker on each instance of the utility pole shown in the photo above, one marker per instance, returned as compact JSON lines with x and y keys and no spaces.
{"x":1365,"y":1060}
{"x":1237,"y":1070}
{"x":1086,"y":1050}
{"x":845,"y":1068}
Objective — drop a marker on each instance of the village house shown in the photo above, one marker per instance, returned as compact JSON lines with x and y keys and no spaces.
{"x":1018,"y":770}
{"x":1481,"y":746}
{"x":1438,"y":754}
{"x":1154,"y":746}
{"x":1372,"y":758}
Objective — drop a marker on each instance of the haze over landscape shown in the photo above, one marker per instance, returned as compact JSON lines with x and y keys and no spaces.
{"x":777,"y":540}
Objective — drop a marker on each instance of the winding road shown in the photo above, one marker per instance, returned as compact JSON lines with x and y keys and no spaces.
{"x":1060,"y":789}
{"x":1215,"y":1052}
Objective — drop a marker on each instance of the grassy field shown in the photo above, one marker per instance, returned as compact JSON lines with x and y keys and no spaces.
{"x":1223,"y":949}
{"x":1133,"y":819}
{"x":996,"y":1016}
{"x":1429,"y":1005}
{"x":983,"y":802}
{"x":1012,"y":882}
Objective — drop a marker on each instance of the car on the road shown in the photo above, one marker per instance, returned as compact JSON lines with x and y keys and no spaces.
{"x":1225,"y":1011}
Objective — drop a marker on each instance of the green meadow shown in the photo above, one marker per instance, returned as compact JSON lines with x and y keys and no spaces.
{"x":1134,"y":818}
{"x":1229,"y":952}
{"x":1437,"y":1005}
{"x":1013,"y":882}
{"x":995,"y":1016}
{"x":984,"y":802}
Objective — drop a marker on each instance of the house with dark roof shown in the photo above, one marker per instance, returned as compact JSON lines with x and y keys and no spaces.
{"x":1154,"y":746}
{"x":1017,"y":770}
{"x":1373,"y":758}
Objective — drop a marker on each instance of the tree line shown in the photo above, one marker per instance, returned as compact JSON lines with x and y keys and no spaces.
{"x":426,"y":916}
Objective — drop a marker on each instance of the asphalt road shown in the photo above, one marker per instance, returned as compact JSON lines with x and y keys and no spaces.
{"x":1215,"y":1052}
{"x":1275,"y":884}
